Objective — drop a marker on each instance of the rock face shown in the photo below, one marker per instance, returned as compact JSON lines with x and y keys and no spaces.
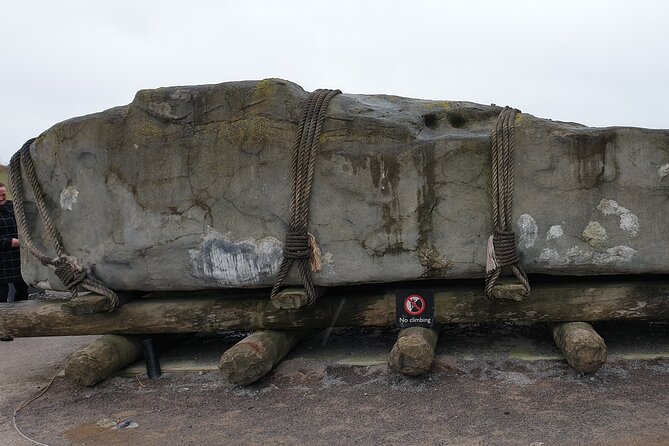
{"x":188,"y":188}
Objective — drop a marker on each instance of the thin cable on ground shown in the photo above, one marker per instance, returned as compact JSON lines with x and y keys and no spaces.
{"x":25,"y":403}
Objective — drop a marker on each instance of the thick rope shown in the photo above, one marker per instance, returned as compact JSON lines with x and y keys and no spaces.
{"x":300,"y":246}
{"x":66,"y":268}
{"x":501,"y":250}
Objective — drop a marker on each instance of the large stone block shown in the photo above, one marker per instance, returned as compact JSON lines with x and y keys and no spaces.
{"x":188,"y":188}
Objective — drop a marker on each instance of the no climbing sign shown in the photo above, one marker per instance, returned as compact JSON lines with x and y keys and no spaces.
{"x":415,"y":308}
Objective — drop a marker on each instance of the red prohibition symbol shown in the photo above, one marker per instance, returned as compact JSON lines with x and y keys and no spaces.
{"x":414,"y":305}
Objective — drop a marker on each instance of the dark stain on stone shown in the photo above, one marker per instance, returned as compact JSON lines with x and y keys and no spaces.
{"x":594,"y":157}
{"x":392,"y":224}
{"x":426,"y":195}
{"x":358,"y":162}
{"x":375,"y":171}
{"x":385,"y":171}
{"x":434,"y":263}
{"x":87,"y":159}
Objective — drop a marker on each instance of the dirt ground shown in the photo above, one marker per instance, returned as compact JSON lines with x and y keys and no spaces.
{"x":490,"y":385}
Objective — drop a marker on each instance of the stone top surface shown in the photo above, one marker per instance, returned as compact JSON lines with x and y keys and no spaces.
{"x":187,"y":188}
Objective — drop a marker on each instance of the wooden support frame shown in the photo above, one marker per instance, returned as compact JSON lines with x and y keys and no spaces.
{"x":590,"y":301}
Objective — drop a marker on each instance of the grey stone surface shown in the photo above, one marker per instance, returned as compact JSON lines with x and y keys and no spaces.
{"x":188,"y":188}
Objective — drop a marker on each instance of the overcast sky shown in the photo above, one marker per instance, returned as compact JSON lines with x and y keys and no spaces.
{"x":599,"y":63}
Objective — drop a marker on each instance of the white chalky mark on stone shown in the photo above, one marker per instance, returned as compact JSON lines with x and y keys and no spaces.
{"x":664,"y":171}
{"x":527,"y":228}
{"x":236,"y":262}
{"x":628,"y":221}
{"x":630,"y":224}
{"x":549,"y":255}
{"x":555,"y":232}
{"x":327,"y":260}
{"x":610,"y":207}
{"x":578,"y":256}
{"x":617,"y":254}
{"x":68,"y":197}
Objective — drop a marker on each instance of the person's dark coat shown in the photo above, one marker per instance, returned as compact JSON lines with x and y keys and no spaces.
{"x":10,"y":260}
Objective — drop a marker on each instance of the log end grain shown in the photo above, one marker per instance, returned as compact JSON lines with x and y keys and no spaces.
{"x":413,"y":353}
{"x":583,"y":348}
{"x":246,"y":363}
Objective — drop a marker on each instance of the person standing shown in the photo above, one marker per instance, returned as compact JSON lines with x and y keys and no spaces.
{"x":10,"y":260}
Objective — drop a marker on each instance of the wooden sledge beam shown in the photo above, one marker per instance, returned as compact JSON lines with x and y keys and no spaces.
{"x":253,"y":357}
{"x":413,"y":351}
{"x":583,"y":348}
{"x":593,"y":301}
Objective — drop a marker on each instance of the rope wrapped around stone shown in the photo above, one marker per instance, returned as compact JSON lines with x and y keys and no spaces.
{"x":501,"y":250}
{"x":300,"y":246}
{"x":296,"y":246}
{"x":67,"y":268}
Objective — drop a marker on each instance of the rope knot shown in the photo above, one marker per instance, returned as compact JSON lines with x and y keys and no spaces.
{"x":504,"y":245}
{"x":68,"y":271}
{"x":296,"y":246}
{"x":66,"y":268}
{"x":303,"y":246}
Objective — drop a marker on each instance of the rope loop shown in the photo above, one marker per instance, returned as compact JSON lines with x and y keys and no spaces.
{"x":300,"y":245}
{"x":502,"y":251}
{"x":66,"y":268}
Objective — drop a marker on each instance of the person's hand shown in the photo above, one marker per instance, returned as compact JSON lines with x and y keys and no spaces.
{"x":15,"y":243}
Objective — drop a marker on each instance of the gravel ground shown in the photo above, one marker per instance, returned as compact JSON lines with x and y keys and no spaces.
{"x":490,"y":385}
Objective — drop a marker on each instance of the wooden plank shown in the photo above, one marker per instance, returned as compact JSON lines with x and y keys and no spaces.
{"x":583,"y":348}
{"x":591,"y":301}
